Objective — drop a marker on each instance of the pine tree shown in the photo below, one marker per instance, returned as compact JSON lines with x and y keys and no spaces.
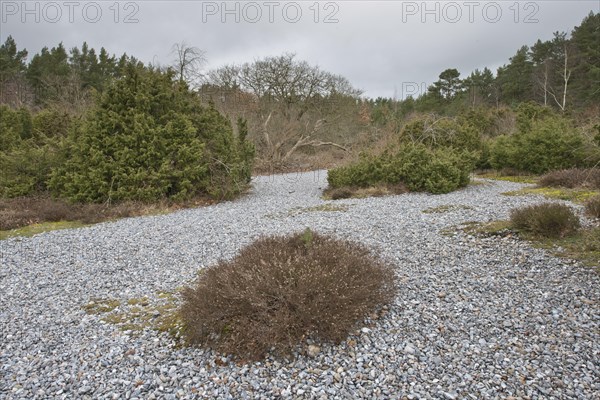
{"x":48,"y":73}
{"x":586,"y":72}
{"x":12,"y":61}
{"x":149,"y":138}
{"x":12,"y":71}
{"x":515,"y":79}
{"x":480,"y":86}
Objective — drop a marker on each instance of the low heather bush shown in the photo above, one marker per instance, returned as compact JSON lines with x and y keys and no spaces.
{"x":346,"y":192}
{"x":572,"y":178}
{"x":22,"y":211}
{"x":341,"y":193}
{"x":591,"y":240}
{"x":547,"y":220}
{"x":592,"y":207}
{"x":281,"y":290}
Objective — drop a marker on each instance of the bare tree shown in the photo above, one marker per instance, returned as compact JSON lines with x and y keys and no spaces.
{"x":544,"y":82}
{"x":553,"y":73}
{"x":293,"y":101}
{"x":188,"y":63}
{"x":566,"y":75}
{"x":225,"y":77}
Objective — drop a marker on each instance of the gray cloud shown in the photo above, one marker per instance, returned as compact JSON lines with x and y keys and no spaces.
{"x":380,"y":46}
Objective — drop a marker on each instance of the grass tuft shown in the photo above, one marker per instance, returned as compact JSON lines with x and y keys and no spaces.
{"x":549,"y":220}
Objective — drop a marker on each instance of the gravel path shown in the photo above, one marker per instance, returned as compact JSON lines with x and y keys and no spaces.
{"x":474,"y":318}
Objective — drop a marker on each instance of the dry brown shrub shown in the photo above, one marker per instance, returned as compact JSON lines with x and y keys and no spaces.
{"x":281,"y":290}
{"x":398,"y":188}
{"x":347,"y":192}
{"x":572,"y":178}
{"x":19,"y":212}
{"x":23,"y":211}
{"x":592,"y":207}
{"x":340,"y":193}
{"x":508,"y":171}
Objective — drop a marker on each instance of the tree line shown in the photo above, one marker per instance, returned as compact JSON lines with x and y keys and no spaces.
{"x":90,"y":128}
{"x":71,"y":120}
{"x":562,"y":73}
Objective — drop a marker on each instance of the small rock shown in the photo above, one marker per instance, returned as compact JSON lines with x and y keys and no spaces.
{"x":409,"y":349}
{"x":84,"y":390}
{"x":313,"y":350}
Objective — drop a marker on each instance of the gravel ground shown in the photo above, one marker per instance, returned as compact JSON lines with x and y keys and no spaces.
{"x":475,"y":318}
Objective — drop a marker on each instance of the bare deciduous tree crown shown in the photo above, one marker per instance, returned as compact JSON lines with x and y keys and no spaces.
{"x":188,"y":63}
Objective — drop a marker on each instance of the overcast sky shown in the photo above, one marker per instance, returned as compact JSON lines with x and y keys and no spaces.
{"x":385,"y":48}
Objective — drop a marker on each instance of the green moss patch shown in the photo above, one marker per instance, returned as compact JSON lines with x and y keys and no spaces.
{"x":324,"y":208}
{"x":101,"y":306}
{"x":509,"y":178}
{"x":493,"y":228}
{"x":445,"y":208}
{"x":327,"y":207}
{"x":35,"y":229}
{"x":583,"y":246}
{"x":478,"y":182}
{"x":159,"y":313}
{"x":578,"y":196}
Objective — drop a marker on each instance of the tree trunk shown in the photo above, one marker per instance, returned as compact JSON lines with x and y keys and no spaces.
{"x":566,"y":76}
